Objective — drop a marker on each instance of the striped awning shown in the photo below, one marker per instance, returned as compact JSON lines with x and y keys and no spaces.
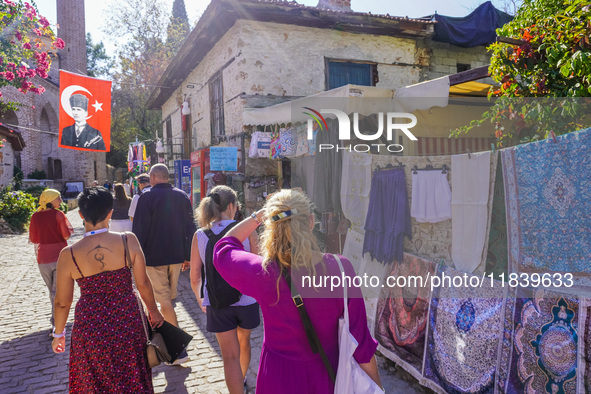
{"x":434,"y":146}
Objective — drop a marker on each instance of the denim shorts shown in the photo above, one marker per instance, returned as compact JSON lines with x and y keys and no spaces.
{"x":229,"y":318}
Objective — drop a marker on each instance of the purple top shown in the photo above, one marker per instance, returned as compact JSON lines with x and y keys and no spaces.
{"x":287,"y":363}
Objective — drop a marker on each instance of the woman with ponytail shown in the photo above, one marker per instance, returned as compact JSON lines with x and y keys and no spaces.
{"x":289,"y":250}
{"x":230,"y":315}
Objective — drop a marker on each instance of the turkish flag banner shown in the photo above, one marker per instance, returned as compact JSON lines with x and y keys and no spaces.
{"x":85,"y":113}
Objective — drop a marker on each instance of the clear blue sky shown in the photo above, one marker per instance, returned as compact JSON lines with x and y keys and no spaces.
{"x":97,"y":11}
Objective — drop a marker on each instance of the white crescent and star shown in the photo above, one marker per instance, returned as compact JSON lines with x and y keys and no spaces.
{"x":67,"y":93}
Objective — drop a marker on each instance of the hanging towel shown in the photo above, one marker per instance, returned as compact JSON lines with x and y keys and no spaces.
{"x":431,"y":197}
{"x":388,"y":216}
{"x":470,"y":181}
{"x":260,"y":144}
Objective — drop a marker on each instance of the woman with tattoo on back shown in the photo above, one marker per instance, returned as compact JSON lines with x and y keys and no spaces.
{"x":107,"y":347}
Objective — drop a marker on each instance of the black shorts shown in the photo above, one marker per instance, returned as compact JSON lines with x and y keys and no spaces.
{"x":226,"y":319}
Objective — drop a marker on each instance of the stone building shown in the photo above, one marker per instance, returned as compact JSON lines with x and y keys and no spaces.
{"x":252,"y":54}
{"x":36,"y":122}
{"x":258,"y":53}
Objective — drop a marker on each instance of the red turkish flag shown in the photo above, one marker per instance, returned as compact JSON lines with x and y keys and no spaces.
{"x":85,"y":113}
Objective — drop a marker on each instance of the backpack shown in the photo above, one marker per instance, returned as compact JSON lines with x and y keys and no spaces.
{"x":221,"y":294}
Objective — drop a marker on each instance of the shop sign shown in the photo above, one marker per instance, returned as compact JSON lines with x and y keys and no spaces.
{"x":223,"y":159}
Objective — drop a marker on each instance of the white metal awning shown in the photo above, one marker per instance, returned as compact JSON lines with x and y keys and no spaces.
{"x":365,"y":100}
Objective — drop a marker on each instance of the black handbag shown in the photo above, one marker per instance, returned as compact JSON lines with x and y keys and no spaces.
{"x":164,"y":343}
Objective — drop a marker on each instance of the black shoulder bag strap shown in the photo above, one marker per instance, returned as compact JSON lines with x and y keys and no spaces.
{"x":310,"y":332}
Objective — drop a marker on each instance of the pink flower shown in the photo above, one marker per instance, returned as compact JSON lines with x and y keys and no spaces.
{"x":25,"y":86}
{"x":27,"y":45}
{"x":59,"y":43}
{"x":9,"y":75}
{"x":38,"y":32}
{"x":11,"y":65}
{"x":43,"y":22}
{"x":18,"y":35}
{"x":31,"y":73}
{"x":40,"y":90}
{"x":41,"y":72}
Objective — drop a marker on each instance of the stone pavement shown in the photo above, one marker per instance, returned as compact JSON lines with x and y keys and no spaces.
{"x":28,"y":365}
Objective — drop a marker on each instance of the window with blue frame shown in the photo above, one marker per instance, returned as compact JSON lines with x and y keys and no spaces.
{"x":341,"y":73}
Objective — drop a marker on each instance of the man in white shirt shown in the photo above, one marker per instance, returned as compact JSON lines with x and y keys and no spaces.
{"x":143,"y":181}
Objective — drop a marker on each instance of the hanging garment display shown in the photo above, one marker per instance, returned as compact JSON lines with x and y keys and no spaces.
{"x":275,"y":151}
{"x":540,"y":344}
{"x":260,"y":145}
{"x":287,"y":142}
{"x":353,"y":249}
{"x":355,"y":188}
{"x":302,"y":173}
{"x":431,"y":196}
{"x":301,"y":138}
{"x":402,"y":315}
{"x":327,"y":174}
{"x":496,"y":259}
{"x":312,"y":142}
{"x":464,"y":333}
{"x":548,"y":200}
{"x":470,"y":181}
{"x":388,"y":216}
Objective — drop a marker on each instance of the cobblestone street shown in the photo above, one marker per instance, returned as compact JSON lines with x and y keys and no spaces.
{"x":27,"y":363}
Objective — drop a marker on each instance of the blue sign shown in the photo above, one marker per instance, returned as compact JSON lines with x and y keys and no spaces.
{"x":182,"y":175}
{"x":223,"y":159}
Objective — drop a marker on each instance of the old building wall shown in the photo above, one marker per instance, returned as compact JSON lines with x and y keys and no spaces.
{"x":284,"y":60}
{"x":444,"y":58}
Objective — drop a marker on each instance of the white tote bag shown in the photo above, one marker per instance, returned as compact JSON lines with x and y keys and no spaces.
{"x":351,"y":379}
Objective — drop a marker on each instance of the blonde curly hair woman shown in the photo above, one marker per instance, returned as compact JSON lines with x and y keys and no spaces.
{"x":287,"y":363}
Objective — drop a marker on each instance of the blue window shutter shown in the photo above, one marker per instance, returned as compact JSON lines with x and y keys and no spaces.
{"x":341,"y":74}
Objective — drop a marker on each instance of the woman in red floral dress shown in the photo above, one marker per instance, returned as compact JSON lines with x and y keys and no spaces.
{"x":107,"y":350}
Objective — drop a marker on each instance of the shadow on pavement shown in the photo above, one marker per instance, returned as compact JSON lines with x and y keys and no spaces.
{"x":28,"y":363}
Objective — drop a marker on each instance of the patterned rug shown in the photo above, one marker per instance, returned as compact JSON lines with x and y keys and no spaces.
{"x":463,"y":338}
{"x":539,"y":350}
{"x":587,"y":353}
{"x":548,"y":200}
{"x":402,"y":314}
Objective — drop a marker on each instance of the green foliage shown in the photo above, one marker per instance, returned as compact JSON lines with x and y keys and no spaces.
{"x":35,"y":191}
{"x":17,"y":177}
{"x":98,"y":63}
{"x":37,"y":174}
{"x":148,"y":47}
{"x":552,"y":60}
{"x":178,"y":27}
{"x":16,"y":207}
{"x":24,"y":44}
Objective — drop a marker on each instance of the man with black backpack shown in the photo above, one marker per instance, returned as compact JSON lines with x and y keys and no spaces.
{"x":230,"y":315}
